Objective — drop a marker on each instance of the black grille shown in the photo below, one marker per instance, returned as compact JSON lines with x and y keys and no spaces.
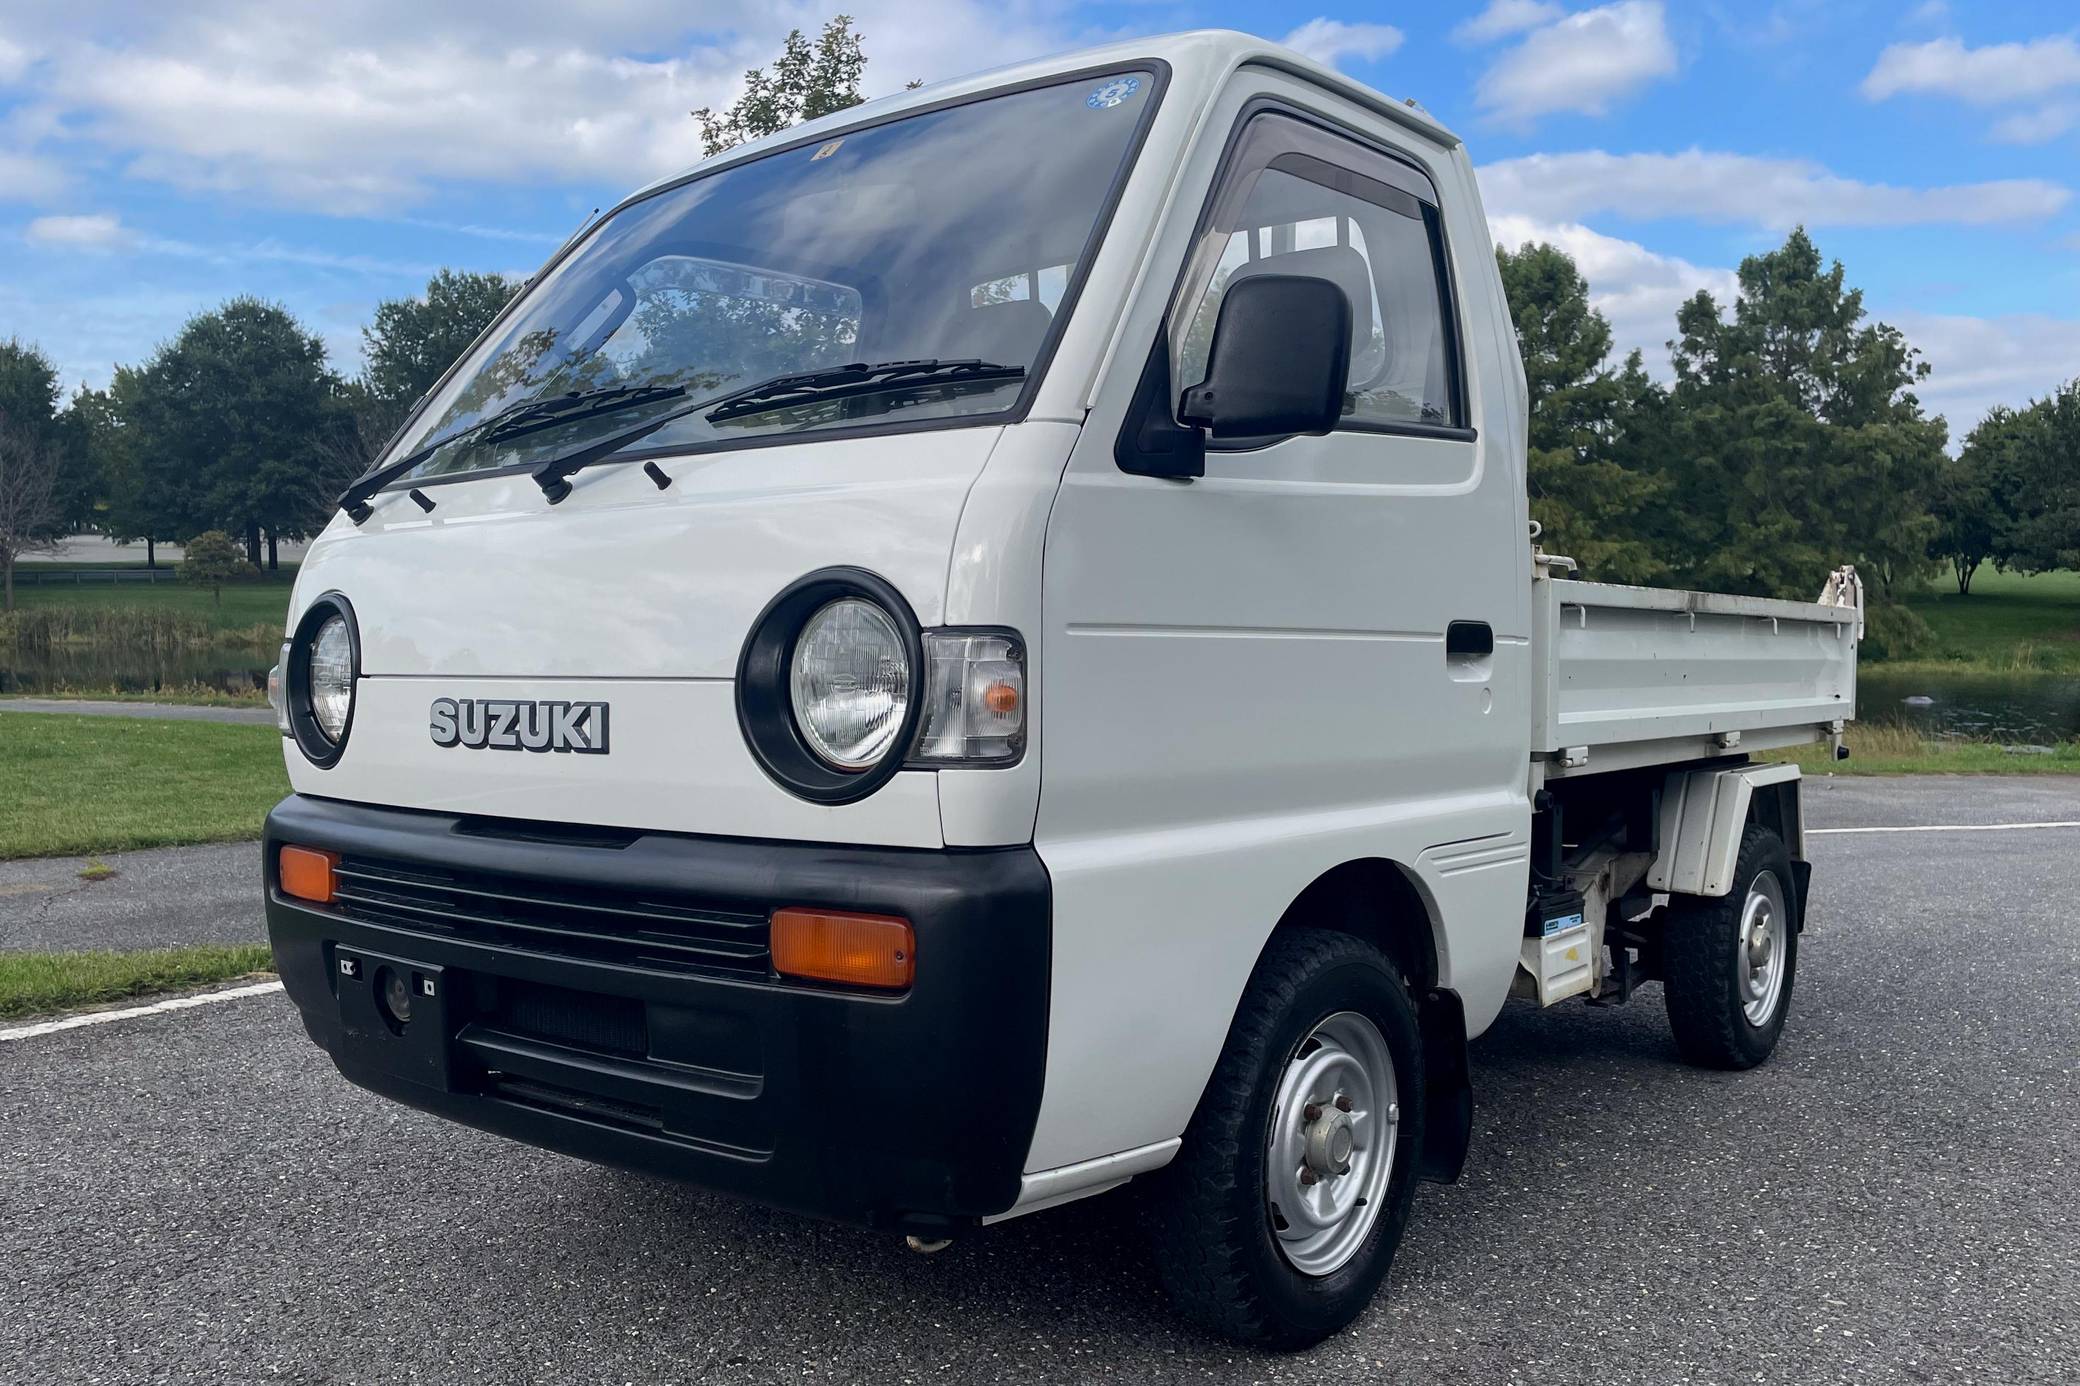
{"x":599,"y":925}
{"x":615,"y":1024}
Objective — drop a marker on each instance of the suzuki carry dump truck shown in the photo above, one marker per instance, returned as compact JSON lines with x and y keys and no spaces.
{"x":989,"y":646}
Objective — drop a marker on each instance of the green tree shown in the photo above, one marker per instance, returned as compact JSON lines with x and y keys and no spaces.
{"x":805,"y":81}
{"x":83,"y":477}
{"x":2035,"y":457}
{"x":147,"y":495}
{"x":234,"y":425}
{"x":1980,"y":495}
{"x":213,"y":559}
{"x":1590,"y":504}
{"x":410,"y":342}
{"x":29,"y":515}
{"x":28,"y":390}
{"x":1797,"y":441}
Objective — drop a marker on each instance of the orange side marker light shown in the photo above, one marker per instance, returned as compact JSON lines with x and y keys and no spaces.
{"x":306,"y":874}
{"x":862,"y":950}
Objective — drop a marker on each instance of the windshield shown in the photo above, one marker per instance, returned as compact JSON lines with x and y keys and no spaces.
{"x":951,"y":235}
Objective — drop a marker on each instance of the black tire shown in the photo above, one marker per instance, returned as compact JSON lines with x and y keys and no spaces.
{"x":1216,"y":1246}
{"x":1705,"y":964}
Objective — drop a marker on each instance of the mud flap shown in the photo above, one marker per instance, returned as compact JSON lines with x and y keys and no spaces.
{"x":1801,"y":881}
{"x":1447,"y":1088}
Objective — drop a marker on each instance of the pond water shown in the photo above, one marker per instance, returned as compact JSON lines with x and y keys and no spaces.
{"x":2026,"y":709}
{"x":94,"y":669}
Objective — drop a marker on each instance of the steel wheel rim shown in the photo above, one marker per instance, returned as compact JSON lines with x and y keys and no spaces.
{"x":1760,"y":949}
{"x":1336,"y":1118}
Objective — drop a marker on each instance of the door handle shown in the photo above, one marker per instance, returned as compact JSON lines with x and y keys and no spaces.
{"x":1468,"y":640}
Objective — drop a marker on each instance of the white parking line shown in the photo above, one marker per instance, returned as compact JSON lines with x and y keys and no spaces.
{"x":178,"y":1003}
{"x":1948,"y":828}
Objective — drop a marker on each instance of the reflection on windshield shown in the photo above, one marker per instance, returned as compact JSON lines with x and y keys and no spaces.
{"x":949,"y":235}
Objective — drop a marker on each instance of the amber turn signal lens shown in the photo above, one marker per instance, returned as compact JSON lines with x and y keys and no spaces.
{"x":307,"y":874}
{"x":862,"y":950}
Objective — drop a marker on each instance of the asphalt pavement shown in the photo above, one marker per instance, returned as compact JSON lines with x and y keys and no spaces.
{"x":118,"y":707}
{"x":1894,"y":1198}
{"x":159,"y":898}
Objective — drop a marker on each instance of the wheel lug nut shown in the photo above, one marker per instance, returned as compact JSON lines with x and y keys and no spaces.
{"x":1343,"y":1103}
{"x":1312,"y":1111}
{"x":1308,"y":1176}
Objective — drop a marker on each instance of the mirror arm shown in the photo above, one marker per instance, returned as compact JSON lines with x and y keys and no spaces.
{"x":1151,"y":442}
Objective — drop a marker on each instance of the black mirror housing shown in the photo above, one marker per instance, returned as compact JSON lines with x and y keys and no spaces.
{"x":1279,"y":362}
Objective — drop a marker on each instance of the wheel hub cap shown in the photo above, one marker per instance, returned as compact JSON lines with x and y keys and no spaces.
{"x":1330,"y":1153}
{"x":1763,"y":940}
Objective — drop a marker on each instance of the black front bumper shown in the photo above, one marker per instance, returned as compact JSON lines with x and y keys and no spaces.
{"x":659,"y":1040}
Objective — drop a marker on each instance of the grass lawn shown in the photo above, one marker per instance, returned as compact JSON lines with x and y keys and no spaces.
{"x":1881,"y":749}
{"x":75,"y":785}
{"x":264,"y":601}
{"x":38,"y":983}
{"x":2008,"y":622}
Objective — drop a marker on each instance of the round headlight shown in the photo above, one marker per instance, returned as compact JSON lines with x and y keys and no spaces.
{"x":849,"y":682}
{"x":332,"y":677}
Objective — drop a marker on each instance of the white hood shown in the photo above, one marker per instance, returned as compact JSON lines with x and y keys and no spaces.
{"x":633,"y":596}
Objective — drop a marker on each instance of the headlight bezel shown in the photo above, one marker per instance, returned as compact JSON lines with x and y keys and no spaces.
{"x":319,"y":749}
{"x":765,"y":705}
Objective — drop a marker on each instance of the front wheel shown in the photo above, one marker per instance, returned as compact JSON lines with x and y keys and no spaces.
{"x":1732,"y":960}
{"x":1280,"y":1216}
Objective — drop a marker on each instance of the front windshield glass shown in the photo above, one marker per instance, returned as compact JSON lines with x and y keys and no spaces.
{"x":948,"y":236}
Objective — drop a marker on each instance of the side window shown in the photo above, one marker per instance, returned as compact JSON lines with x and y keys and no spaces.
{"x":1299,"y":200}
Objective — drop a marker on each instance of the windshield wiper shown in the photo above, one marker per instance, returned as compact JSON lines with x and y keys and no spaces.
{"x":845,"y":382}
{"x":515,"y":420}
{"x":776,"y":392}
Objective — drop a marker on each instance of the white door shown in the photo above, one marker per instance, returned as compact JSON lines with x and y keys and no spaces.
{"x":1247,"y":678}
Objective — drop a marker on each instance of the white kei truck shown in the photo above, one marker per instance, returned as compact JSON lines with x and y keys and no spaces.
{"x":989,"y":646}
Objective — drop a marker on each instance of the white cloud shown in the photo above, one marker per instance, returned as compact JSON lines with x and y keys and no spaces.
{"x":1586,"y":63}
{"x":1636,"y":288}
{"x":29,"y":178}
{"x":1995,"y":75}
{"x":101,"y":232}
{"x":1929,"y":12}
{"x":1505,"y":17}
{"x":1330,"y":41}
{"x":2032,"y":74}
{"x":356,"y":107}
{"x":1975,"y":363}
{"x":2047,"y":122}
{"x":14,"y":60}
{"x":96,"y":231}
{"x":1746,"y":190}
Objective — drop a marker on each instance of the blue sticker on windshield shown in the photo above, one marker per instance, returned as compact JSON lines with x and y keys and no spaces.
{"x":1112,"y":93}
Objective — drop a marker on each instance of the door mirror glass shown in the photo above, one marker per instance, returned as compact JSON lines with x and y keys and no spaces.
{"x":1279,"y":362}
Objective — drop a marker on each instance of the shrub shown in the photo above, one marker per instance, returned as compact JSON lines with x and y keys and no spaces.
{"x":212,"y":557}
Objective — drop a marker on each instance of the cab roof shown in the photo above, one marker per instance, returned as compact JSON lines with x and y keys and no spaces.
{"x":1200,"y":61}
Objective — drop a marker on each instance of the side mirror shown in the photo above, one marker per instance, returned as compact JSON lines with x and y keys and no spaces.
{"x":1279,"y":362}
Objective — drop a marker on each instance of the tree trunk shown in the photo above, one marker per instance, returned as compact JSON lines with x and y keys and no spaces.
{"x":151,"y":554}
{"x":274,"y":552}
{"x":253,"y":545}
{"x":8,"y":563}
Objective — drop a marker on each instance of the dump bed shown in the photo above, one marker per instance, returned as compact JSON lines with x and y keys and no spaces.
{"x":1639,"y":675}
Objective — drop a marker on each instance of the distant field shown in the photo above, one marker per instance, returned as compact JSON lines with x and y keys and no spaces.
{"x":2008,"y":622}
{"x":261,"y":601}
{"x":76,"y":785}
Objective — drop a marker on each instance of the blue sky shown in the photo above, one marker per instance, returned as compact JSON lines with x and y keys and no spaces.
{"x":157,"y":159}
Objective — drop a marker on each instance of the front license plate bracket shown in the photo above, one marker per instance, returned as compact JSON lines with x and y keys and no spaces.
{"x":412,"y":1046}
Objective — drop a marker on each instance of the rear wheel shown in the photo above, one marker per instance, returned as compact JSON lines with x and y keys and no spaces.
{"x":1731,"y":961}
{"x":1280,"y":1216}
